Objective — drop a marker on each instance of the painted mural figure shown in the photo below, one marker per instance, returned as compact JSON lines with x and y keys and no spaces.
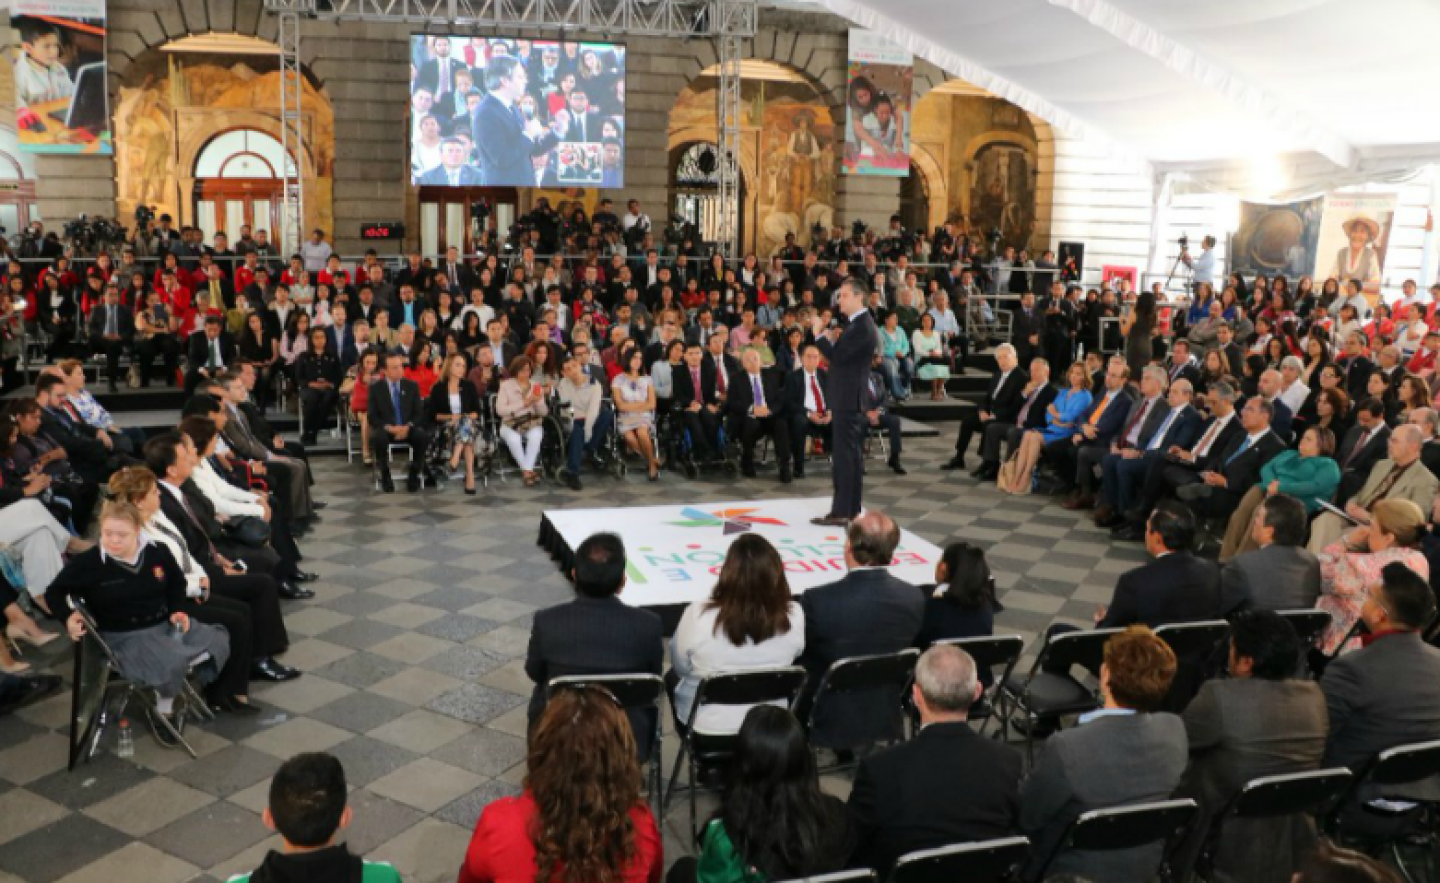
{"x":803,"y":149}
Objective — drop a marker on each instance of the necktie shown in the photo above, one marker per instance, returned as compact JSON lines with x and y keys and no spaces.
{"x":755,"y":390}
{"x":395,"y":399}
{"x":1099,"y":410}
{"x":454,"y":182}
{"x":1360,"y":443}
{"x":1159,"y":437}
{"x":190,"y":513}
{"x":695,"y":379}
{"x":720,"y":377}
{"x":1131,"y":436}
{"x":444,"y":85}
{"x":1244,"y":446}
{"x":1029,"y":400}
{"x":214,"y":353}
{"x":110,"y":320}
{"x":819,"y":399}
{"x":1386,"y":486}
{"x":214,"y":291}
{"x":1207,"y":439}
{"x":185,"y":559}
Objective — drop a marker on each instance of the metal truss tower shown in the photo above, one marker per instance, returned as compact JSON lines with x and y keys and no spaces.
{"x":728,"y":22}
{"x":292,"y":126}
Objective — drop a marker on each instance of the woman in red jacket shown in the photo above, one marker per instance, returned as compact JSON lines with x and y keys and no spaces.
{"x":581,"y":818}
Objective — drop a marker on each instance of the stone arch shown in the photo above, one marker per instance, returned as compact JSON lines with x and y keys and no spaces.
{"x":936,"y":182}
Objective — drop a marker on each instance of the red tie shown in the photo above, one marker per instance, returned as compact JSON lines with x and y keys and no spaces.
{"x":720,"y":377}
{"x":1203,"y":448}
{"x":1135,"y":421}
{"x":819,"y":399}
{"x":695,"y":379}
{"x":1359,"y":443}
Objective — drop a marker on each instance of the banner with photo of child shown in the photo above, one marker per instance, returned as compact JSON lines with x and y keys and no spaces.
{"x":61,"y":101}
{"x":1354,"y":237}
{"x":877,"y":107}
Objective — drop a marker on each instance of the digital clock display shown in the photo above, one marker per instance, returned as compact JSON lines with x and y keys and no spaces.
{"x":383,"y":230}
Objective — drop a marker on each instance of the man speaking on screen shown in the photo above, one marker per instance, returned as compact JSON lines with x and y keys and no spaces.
{"x":504,"y":139}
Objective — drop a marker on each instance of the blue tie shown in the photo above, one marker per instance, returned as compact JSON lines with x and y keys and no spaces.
{"x":1164,"y":428}
{"x":759,"y":396}
{"x":395,"y":399}
{"x":1243,"y":448}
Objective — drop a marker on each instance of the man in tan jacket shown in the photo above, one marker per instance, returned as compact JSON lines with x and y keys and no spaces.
{"x":1401,"y":477}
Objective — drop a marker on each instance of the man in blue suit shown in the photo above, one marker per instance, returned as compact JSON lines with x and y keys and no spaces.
{"x":452,"y":171}
{"x":504,"y":140}
{"x":341,"y":338}
{"x":1124,"y":471}
{"x":1100,"y":426}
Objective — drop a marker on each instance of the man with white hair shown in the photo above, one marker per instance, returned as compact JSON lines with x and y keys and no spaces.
{"x":1293,"y":390}
{"x":1400,"y":477}
{"x":946,"y":785}
{"x":1003,"y":399}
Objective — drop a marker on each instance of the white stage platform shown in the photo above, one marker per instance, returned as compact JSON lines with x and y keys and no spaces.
{"x":675,"y":552}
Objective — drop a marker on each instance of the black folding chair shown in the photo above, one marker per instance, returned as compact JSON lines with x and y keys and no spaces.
{"x":715,"y":749}
{"x":883,"y":676}
{"x":1050,"y":694}
{"x":1273,"y":797}
{"x":642,"y":692}
{"x":997,"y":655}
{"x":1195,"y":645}
{"x":98,"y":676}
{"x":1308,"y":624}
{"x":1127,"y":827}
{"x":1378,"y":796}
{"x":984,"y":861}
{"x":860,"y":875}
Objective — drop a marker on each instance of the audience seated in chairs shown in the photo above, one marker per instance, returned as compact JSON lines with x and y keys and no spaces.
{"x":750,"y":621}
{"x":1261,"y":721}
{"x":82,"y":404}
{"x":596,"y":633}
{"x":591,"y":423}
{"x":454,"y":408}
{"x":91,"y":451}
{"x":879,"y":419}
{"x":1177,"y":586}
{"x":961,"y":603}
{"x":1280,"y":573}
{"x":1124,"y":469}
{"x":581,"y":813}
{"x":1092,"y":431}
{"x":1400,"y":477}
{"x":1387,"y":693}
{"x":1125,"y":752}
{"x":774,"y":822}
{"x":111,"y":329}
{"x":521,"y":407}
{"x":866,"y":612}
{"x":318,"y":376}
{"x":247,"y":435}
{"x":19,"y":627}
{"x":1219,"y":491}
{"x":807,"y":407}
{"x":1062,"y":415}
{"x":307,"y":807}
{"x":397,"y":418}
{"x":1004,"y":397}
{"x":208,"y":352}
{"x":634,"y":397}
{"x":1307,"y":474}
{"x":946,"y":785}
{"x":37,"y":464}
{"x":698,"y":402}
{"x":140,"y":616}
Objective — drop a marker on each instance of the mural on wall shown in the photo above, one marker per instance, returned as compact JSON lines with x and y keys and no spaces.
{"x":985,"y":148}
{"x":161,"y":124}
{"x":788,"y":154}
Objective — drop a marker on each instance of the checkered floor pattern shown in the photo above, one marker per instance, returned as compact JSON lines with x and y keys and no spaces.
{"x":413,"y":651}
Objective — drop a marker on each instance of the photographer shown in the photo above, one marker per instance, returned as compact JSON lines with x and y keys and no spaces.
{"x":1202,"y":269}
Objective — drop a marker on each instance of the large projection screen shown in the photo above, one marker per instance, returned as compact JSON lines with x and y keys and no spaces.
{"x":497,"y":112}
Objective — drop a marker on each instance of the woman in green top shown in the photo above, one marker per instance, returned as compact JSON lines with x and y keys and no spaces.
{"x":774,"y":822}
{"x":1309,"y":474}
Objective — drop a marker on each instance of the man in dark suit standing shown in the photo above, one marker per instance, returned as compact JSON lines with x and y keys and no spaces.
{"x":1175,"y":587}
{"x":397,"y":417}
{"x":596,"y":633}
{"x":1028,"y":326}
{"x":866,"y":612}
{"x":1280,"y":575}
{"x":112,"y":328}
{"x":504,"y":140}
{"x":756,"y":407}
{"x":209,"y":352}
{"x":698,"y":402}
{"x":850,"y":353}
{"x":1387,"y":693}
{"x":947,"y":784}
{"x":1003,"y":399}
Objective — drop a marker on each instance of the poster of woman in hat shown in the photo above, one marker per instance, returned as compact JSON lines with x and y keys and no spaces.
{"x":1355,"y":230}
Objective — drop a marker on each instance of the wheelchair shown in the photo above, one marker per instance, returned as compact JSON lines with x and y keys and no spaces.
{"x":609,"y":457}
{"x":678,"y":447}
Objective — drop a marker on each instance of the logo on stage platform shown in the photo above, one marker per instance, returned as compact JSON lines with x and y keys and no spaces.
{"x":732,"y":521}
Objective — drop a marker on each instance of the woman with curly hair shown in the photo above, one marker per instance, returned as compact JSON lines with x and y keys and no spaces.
{"x":581,"y":817}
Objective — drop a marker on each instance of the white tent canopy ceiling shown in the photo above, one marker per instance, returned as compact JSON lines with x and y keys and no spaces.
{"x":1336,"y":92}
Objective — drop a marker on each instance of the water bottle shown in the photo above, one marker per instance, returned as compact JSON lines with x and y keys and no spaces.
{"x":125,"y":747}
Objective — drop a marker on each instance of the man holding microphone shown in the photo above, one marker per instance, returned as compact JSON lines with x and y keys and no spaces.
{"x":849,"y":352}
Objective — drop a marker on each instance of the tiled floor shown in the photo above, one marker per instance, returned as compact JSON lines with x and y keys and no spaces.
{"x":413,"y":652}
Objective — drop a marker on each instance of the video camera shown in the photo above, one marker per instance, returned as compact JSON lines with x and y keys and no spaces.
{"x":144,"y":214}
{"x":1184,"y":241}
{"x":88,"y":236}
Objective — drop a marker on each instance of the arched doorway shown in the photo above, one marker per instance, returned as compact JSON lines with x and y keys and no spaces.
{"x":695,"y":189}
{"x":17,"y":185}
{"x":238,"y":182}
{"x":915,"y":200}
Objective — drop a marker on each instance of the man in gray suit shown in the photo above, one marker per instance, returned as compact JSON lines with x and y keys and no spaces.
{"x":1124,"y":753}
{"x":1262,"y":721}
{"x":1387,"y":693}
{"x":1281,"y":574}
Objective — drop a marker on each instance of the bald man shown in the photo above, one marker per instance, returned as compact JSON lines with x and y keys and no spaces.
{"x":1399,"y":477}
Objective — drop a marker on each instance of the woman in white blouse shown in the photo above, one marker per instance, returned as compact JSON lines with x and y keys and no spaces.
{"x":229,"y":501}
{"x":749,"y":622}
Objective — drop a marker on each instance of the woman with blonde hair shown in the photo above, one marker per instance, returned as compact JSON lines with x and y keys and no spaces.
{"x":1061,"y":418}
{"x":1351,"y":565}
{"x":581,"y":817}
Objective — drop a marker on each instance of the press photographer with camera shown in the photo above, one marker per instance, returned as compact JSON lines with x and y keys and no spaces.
{"x":1202,"y":269}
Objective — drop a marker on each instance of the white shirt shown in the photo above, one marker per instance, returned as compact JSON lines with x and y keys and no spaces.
{"x":1294,"y":395}
{"x":812,"y":383}
{"x":698,"y":650}
{"x":227,"y":499}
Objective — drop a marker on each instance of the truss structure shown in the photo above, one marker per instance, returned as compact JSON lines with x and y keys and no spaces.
{"x":727,"y":22}
{"x":292,"y":141}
